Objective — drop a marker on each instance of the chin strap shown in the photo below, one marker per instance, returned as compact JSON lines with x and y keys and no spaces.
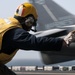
{"x":34,"y":29}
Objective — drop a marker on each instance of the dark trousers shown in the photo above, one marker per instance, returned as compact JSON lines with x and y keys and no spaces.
{"x":4,"y":70}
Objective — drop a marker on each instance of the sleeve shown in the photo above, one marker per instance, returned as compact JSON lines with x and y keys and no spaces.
{"x":21,"y":39}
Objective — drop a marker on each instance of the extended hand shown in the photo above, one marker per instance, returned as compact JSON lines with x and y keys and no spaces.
{"x":70,"y":38}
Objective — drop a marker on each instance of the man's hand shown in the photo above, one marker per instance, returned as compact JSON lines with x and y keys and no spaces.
{"x":70,"y":38}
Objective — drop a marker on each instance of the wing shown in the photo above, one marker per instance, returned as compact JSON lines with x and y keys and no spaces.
{"x":56,"y":24}
{"x":66,"y":54}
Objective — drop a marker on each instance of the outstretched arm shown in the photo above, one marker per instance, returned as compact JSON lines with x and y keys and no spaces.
{"x":20,"y":39}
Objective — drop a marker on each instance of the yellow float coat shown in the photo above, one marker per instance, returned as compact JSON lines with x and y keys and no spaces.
{"x":5,"y":25}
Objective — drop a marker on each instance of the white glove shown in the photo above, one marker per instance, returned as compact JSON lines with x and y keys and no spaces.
{"x":70,"y":38}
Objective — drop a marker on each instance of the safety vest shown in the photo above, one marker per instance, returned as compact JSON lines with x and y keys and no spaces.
{"x":5,"y":25}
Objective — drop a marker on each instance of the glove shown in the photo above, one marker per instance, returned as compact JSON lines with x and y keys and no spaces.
{"x":73,"y":36}
{"x":70,"y":38}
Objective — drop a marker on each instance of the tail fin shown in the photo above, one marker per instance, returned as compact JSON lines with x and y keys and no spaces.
{"x":51,"y":15}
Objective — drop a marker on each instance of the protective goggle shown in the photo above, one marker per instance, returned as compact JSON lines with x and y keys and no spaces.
{"x":31,"y":22}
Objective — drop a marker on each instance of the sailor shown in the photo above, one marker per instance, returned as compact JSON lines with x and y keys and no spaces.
{"x":14,"y":35}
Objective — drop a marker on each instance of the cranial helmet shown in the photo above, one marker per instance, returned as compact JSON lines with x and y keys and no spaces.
{"x":25,"y":11}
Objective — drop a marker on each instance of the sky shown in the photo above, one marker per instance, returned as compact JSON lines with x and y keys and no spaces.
{"x":69,"y":5}
{"x":8,"y":7}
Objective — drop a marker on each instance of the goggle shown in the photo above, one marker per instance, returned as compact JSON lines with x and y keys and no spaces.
{"x":29,"y":21}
